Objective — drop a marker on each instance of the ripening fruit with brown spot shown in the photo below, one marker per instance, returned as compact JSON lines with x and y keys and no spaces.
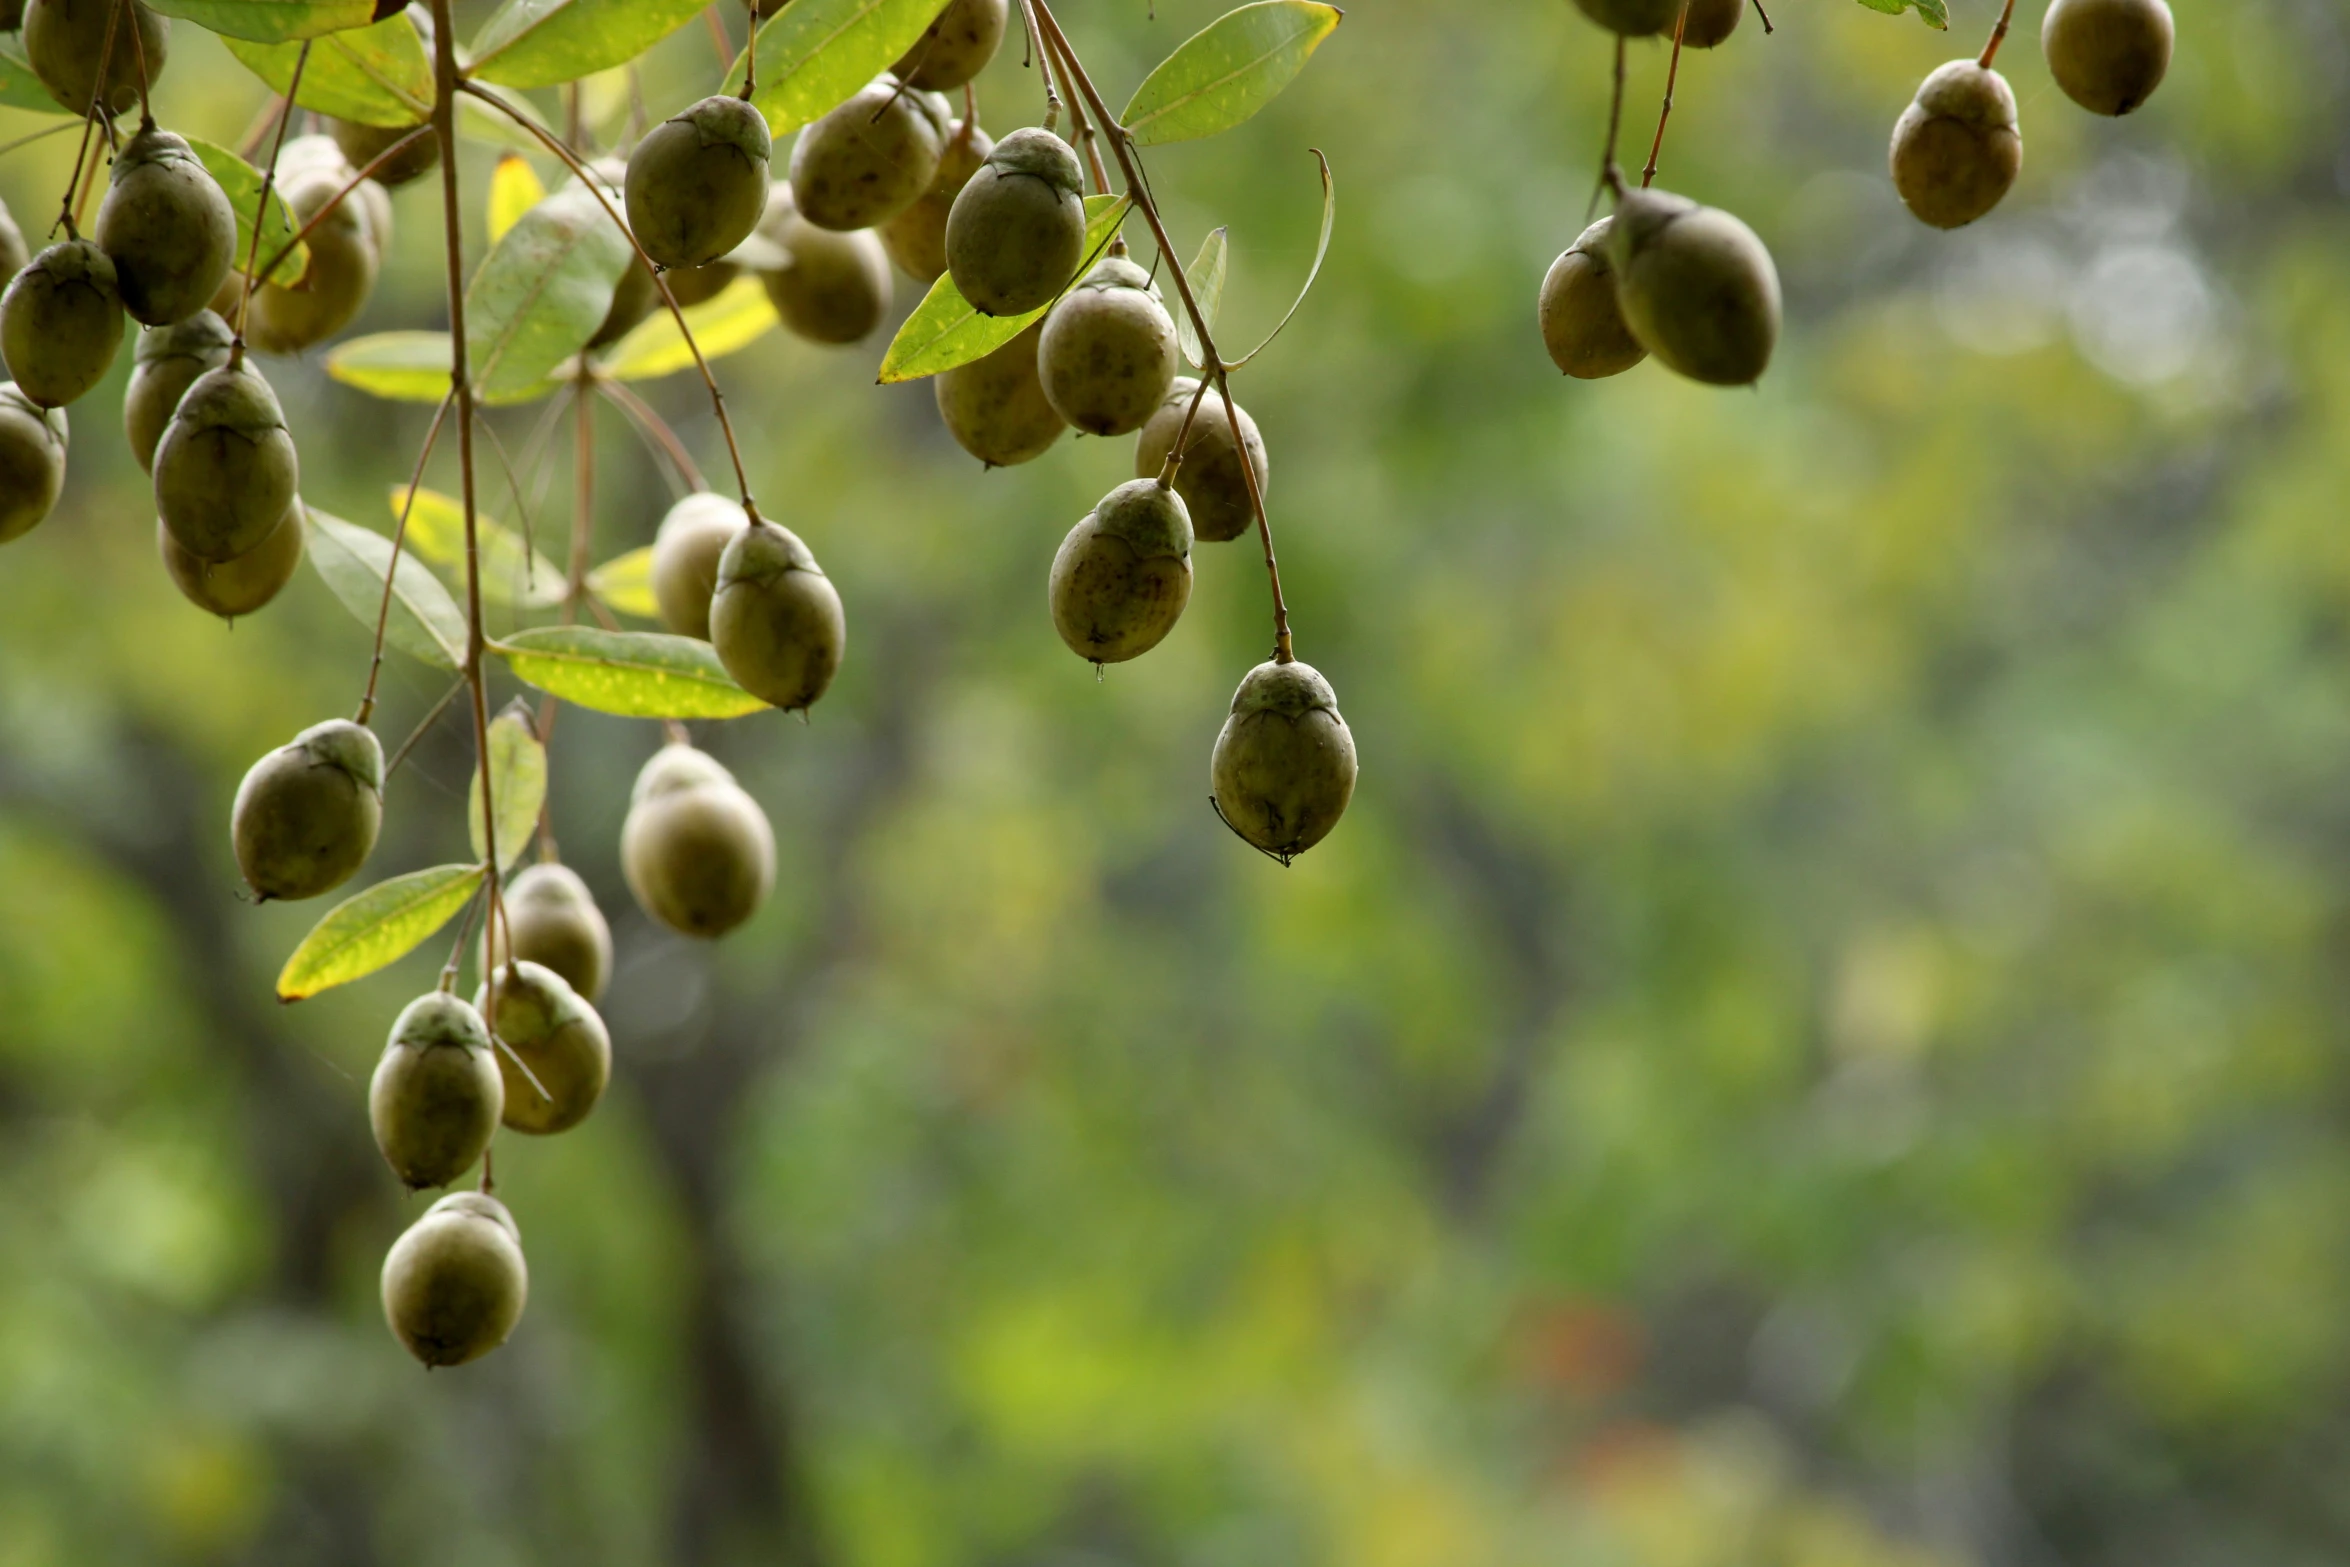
{"x":1284,"y":766}
{"x":361,"y":145}
{"x":696,"y":848}
{"x":1123,"y":574}
{"x":167,"y":227}
{"x":65,"y":39}
{"x":2108,"y":55}
{"x":454,"y":1284}
{"x":1696,"y":286}
{"x":827,"y":287}
{"x":239,"y":586}
{"x":32,"y":461}
{"x":1016,"y":233}
{"x":1632,"y":18}
{"x":307,"y":814}
{"x":697,"y":183}
{"x":13,"y":254}
{"x":686,"y":551}
{"x":558,"y":1036}
{"x":165,"y":362}
{"x":553,"y":921}
{"x":436,"y":1095}
{"x":1109,"y":351}
{"x":776,"y":619}
{"x":1956,"y":150}
{"x":916,"y":238}
{"x":871,"y":158}
{"x":225,"y":470}
{"x":1711,"y":22}
{"x":1213,"y":486}
{"x":61,"y":322}
{"x":956,"y":47}
{"x":1582,"y":324}
{"x":344,"y":260}
{"x":995,"y":406}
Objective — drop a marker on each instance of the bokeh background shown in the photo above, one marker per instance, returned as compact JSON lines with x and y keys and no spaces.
{"x":1819,"y":1043}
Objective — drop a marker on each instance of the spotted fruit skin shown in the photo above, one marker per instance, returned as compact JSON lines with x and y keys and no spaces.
{"x":1123,"y":575}
{"x":831,"y":288}
{"x":957,"y":46}
{"x":870,"y":159}
{"x":916,"y":238}
{"x":1109,"y":351}
{"x":995,"y":406}
{"x":455,"y":1283}
{"x":1016,"y":232}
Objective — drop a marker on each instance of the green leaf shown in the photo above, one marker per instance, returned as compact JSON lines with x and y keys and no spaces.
{"x":1321,"y":249}
{"x":401,"y":367}
{"x":544,"y":43}
{"x":241,"y":183}
{"x":1207,"y":286}
{"x":275,"y":21}
{"x":635,"y":674}
{"x":376,"y":75}
{"x":1227,"y":71}
{"x":945,"y":331}
{"x":19,"y":87}
{"x":518,"y":786}
{"x":542,"y":292}
{"x":511,"y":571}
{"x":377,"y":928}
{"x":737,"y":317}
{"x":1931,"y":12}
{"x":425,"y":622}
{"x":625,"y":583}
{"x":815,"y":54}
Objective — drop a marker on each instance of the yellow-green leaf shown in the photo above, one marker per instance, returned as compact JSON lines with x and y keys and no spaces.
{"x":625,"y":583}
{"x":815,"y":54}
{"x":424,"y":623}
{"x":945,"y":330}
{"x":544,"y":43}
{"x":515,"y":188}
{"x":738,"y":316}
{"x":511,"y":572}
{"x":635,"y":674}
{"x":542,"y":292}
{"x":403,"y":367}
{"x":274,"y":21}
{"x":378,"y":75}
{"x":1226,"y":72}
{"x":241,"y":183}
{"x":1207,"y":286}
{"x":518,"y":786}
{"x":377,"y":928}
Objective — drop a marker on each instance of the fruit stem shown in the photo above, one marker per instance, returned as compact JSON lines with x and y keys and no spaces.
{"x":336,"y":200}
{"x":1038,"y":52}
{"x":1672,"y":76}
{"x":139,"y":57}
{"x":751,"y":51}
{"x":383,"y":613}
{"x":1768,"y":29}
{"x":653,"y":429}
{"x":236,"y":347}
{"x":1199,"y":394}
{"x":1998,"y":35}
{"x":1082,"y":125}
{"x":1611,"y":178}
{"x":1138,"y":190}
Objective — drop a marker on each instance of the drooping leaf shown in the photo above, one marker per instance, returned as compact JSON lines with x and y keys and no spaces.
{"x":515,"y":188}
{"x":1226,"y":72}
{"x":544,"y":43}
{"x":518,"y":786}
{"x":19,"y":87}
{"x":1321,"y":250}
{"x":1207,"y":286}
{"x":425,"y":622}
{"x":401,"y":367}
{"x":511,"y":572}
{"x":542,"y":292}
{"x":625,"y":584}
{"x":945,"y":331}
{"x":241,"y":183}
{"x":377,"y":928}
{"x":1934,"y":13}
{"x":738,"y":316}
{"x":815,"y":54}
{"x":379,"y":75}
{"x":635,"y":674}
{"x":274,"y":21}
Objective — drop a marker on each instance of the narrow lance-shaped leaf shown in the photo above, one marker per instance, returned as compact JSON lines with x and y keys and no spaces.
{"x":377,"y":928}
{"x":625,"y":584}
{"x":1321,"y":249}
{"x":511,"y":572}
{"x":274,"y":21}
{"x":814,"y":54}
{"x":945,"y":330}
{"x":1226,"y":72}
{"x":425,"y":622}
{"x":1207,"y":286}
{"x":402,"y":367}
{"x":739,"y":316}
{"x":544,"y":43}
{"x":634,"y":674}
{"x":542,"y":292}
{"x":515,"y":188}
{"x":518,"y":785}
{"x":1934,"y":13}
{"x":241,"y":183}
{"x":378,"y":75}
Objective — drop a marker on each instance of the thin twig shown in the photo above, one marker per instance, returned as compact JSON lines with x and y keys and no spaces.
{"x":1052,"y":99}
{"x":90,"y":119}
{"x":1998,"y":35}
{"x":1768,"y":29}
{"x":236,"y":351}
{"x":1182,"y":444}
{"x":653,"y":429}
{"x":336,"y":200}
{"x":423,"y":726}
{"x":383,"y":614}
{"x":1672,"y":76}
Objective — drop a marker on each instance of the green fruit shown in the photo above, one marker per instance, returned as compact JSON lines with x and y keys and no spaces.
{"x":344,"y":260}
{"x":829,"y":287}
{"x":697,"y":184}
{"x":1017,"y":232}
{"x":553,"y":921}
{"x":1123,"y":574}
{"x":916,"y":238}
{"x":225,"y":470}
{"x":436,"y":1095}
{"x":1284,"y":766}
{"x":870,"y":159}
{"x":32,"y":461}
{"x":307,"y":814}
{"x":1632,"y":18}
{"x":1109,"y":352}
{"x":691,"y":286}
{"x":697,"y":850}
{"x":996,"y":407}
{"x":558,"y":1036}
{"x":230,"y":588}
{"x":1696,"y":286}
{"x":361,"y":145}
{"x":686,"y":552}
{"x":956,"y":47}
{"x":63,"y":40}
{"x":2108,"y":55}
{"x":1710,"y":22}
{"x":167,"y":227}
{"x":454,"y":1284}
{"x":636,"y":295}
{"x":165,"y":362}
{"x":776,"y":619}
{"x":1956,"y":150}
{"x":60,"y":322}
{"x":1211,"y":482}
{"x":13,"y":254}
{"x":1582,"y":325}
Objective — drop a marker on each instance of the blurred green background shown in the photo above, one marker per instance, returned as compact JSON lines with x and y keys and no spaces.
{"x":1819,"y":1043}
